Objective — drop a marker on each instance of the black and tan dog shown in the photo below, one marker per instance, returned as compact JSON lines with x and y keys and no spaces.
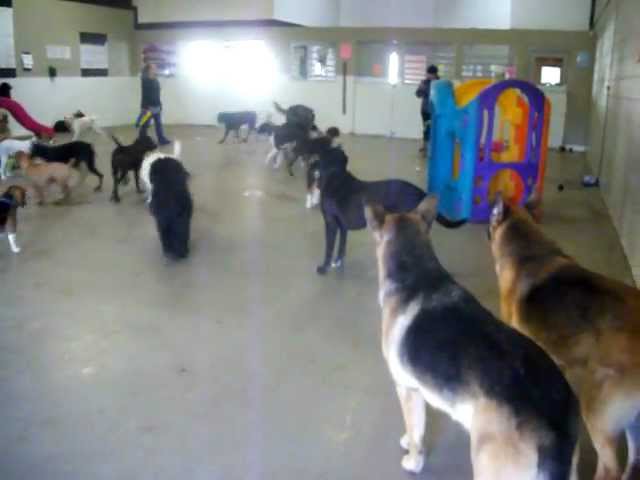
{"x":342,"y":201}
{"x":444,"y":348}
{"x":73,"y":153}
{"x":233,"y":121}
{"x":13,"y":198}
{"x":126,"y":158}
{"x":588,"y":323}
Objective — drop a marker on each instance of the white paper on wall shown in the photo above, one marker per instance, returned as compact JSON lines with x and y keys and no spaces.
{"x":7,"y":48}
{"x":94,"y":56}
{"x":61,"y":52}
{"x":27,"y":60}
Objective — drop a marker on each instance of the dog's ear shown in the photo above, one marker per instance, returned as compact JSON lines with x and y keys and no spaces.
{"x":533,"y":205}
{"x":375,"y":215}
{"x":499,"y":211}
{"x":428,"y":209}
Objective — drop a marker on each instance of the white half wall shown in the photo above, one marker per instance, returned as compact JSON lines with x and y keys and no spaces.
{"x":387,"y":13}
{"x":312,"y":13}
{"x":373,"y":107}
{"x":551,"y":14}
{"x":152,"y":11}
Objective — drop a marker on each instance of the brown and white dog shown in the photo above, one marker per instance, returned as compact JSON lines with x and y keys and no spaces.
{"x":13,"y":198}
{"x":588,"y":323}
{"x":41,"y":175}
{"x":444,"y":348}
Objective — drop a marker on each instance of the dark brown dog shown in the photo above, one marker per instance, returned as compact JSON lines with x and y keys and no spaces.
{"x":588,"y":323}
{"x":13,"y":198}
{"x":126,"y":158}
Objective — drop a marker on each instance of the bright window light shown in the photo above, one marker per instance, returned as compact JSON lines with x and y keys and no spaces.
{"x":199,"y":61}
{"x":550,"y":75}
{"x":394,"y":68}
{"x":247,"y":67}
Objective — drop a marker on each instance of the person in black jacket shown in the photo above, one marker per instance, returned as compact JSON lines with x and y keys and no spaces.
{"x":424,"y":92}
{"x":151,"y":106}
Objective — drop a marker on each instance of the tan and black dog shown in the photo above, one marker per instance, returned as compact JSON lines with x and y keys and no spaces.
{"x":444,"y":348}
{"x":588,"y":323}
{"x":13,"y":198}
{"x":42,"y":174}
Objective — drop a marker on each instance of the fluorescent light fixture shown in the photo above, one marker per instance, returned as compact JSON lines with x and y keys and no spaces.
{"x":393,"y":76}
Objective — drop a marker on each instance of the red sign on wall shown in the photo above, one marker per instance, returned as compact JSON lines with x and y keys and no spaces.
{"x":346,"y":51}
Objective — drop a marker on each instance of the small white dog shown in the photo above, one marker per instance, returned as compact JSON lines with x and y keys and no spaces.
{"x":8,"y":148}
{"x":80,"y":126}
{"x":151,"y":157}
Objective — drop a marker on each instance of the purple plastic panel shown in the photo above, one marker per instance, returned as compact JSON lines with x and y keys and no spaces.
{"x":486,"y":168}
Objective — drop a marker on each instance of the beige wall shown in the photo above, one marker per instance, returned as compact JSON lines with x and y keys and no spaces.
{"x":522,"y":43}
{"x":38,"y":23}
{"x":615,"y":121}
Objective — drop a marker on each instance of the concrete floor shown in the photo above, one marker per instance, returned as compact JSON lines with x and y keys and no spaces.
{"x":239,"y":363}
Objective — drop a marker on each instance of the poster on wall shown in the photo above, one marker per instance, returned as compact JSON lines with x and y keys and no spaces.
{"x":94,"y":55}
{"x":163,"y":56}
{"x":58,"y":52}
{"x":7,"y":46}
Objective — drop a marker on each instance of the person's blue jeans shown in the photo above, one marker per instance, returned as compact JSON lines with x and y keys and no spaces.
{"x":143,"y":123}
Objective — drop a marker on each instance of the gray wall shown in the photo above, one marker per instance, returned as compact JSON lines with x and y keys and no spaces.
{"x":522,"y":42}
{"x":38,"y":23}
{"x":615,"y":121}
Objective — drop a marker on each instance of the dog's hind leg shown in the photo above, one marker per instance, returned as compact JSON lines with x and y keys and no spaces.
{"x":330,"y":232}
{"x":632,"y":433}
{"x":342,"y":246}
{"x":91,"y":165}
{"x":224,"y":137}
{"x":414,"y":413}
{"x":136,"y":175}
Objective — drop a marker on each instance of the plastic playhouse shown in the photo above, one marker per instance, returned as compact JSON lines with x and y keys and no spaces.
{"x":486,"y":138}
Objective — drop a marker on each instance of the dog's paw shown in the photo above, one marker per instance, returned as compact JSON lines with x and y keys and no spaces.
{"x":404,"y":442}
{"x":321,"y":269}
{"x":16,"y":249}
{"x":338,"y":263}
{"x":413,"y":463}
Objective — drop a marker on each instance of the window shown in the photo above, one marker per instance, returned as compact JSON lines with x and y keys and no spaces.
{"x":164,"y":57}
{"x":94,"y":55}
{"x":550,"y":75}
{"x":372,"y":61}
{"x":417,"y":58}
{"x":315,"y":61}
{"x":485,"y":61}
{"x":549,"y":70}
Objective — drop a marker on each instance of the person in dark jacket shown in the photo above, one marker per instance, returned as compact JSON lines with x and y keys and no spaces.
{"x":151,"y":106}
{"x":424,"y":92}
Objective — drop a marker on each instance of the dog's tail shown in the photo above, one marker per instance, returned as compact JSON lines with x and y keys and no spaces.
{"x":177,"y":149}
{"x":115,"y":139}
{"x":279,"y":108}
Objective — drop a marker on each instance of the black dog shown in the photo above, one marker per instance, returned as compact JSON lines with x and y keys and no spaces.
{"x":343,"y":197}
{"x":129,"y":157}
{"x":266,"y":128}
{"x":299,"y":115}
{"x":74,"y":153}
{"x":232,"y":122}
{"x":171,"y":205}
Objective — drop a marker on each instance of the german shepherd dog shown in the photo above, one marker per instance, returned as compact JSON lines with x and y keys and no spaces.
{"x":588,"y":323}
{"x":232,"y":122}
{"x":444,"y":348}
{"x":342,"y":201}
